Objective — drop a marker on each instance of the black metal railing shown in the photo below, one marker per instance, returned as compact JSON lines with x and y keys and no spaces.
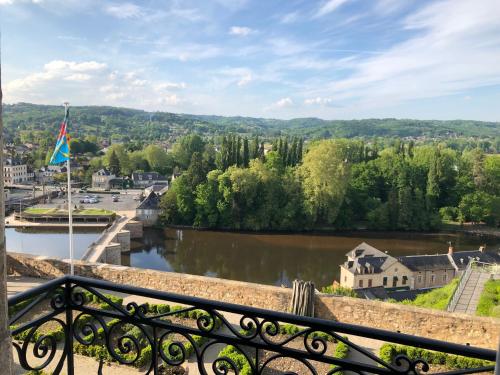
{"x":75,"y":315}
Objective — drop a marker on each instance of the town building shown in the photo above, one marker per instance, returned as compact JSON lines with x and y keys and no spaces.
{"x":149,"y":210}
{"x":159,"y":189}
{"x":102,"y":179}
{"x":368,"y":267}
{"x":15,"y":173}
{"x":145,"y":179}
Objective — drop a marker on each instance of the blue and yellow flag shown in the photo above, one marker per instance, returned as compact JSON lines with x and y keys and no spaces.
{"x":61,"y":152}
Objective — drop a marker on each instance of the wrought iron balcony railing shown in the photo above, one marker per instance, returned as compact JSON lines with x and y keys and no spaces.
{"x":75,"y":315}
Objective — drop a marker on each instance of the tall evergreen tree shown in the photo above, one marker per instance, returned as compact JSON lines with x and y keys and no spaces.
{"x":114,"y":163}
{"x":246,"y":153}
{"x":261,"y":151}
{"x":284,"y":156}
{"x":238,"y":152}
{"x":255,"y":148}
{"x":299,"y":150}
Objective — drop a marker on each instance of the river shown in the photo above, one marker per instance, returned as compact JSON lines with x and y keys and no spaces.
{"x":49,"y":242}
{"x":277,"y":259}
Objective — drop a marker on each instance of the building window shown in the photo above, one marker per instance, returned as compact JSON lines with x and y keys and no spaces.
{"x":385,"y":281}
{"x":345,"y":279}
{"x":369,"y":283}
{"x":360,"y":283}
{"x":405,"y":280}
{"x":419,"y":278}
{"x":395,"y":281}
{"x":445,"y":277}
{"x":433,"y":279}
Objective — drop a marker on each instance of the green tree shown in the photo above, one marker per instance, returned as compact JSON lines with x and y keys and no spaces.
{"x":325,"y":175}
{"x":476,"y":207}
{"x":114,"y":163}
{"x":158,"y":159}
{"x":246,"y":153}
{"x":185,"y":148}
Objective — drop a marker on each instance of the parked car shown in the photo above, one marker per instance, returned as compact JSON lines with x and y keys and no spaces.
{"x":115,"y":198}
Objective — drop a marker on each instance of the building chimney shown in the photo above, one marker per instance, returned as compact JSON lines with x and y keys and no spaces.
{"x":482,"y":248}
{"x":450,"y":248}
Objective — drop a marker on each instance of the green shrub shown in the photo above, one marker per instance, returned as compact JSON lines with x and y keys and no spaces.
{"x":389,"y":351}
{"x":239,"y":359}
{"x":339,"y":291}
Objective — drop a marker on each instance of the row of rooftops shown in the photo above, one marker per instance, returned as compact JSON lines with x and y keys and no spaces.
{"x":365,"y":258}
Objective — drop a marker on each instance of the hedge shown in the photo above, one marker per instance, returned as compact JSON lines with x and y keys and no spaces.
{"x":388,"y":353}
{"x":239,"y":359}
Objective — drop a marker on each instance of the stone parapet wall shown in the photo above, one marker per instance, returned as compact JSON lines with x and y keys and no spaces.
{"x":458,"y":328}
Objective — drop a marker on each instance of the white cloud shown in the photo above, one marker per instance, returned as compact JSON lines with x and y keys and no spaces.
{"x":245,"y":80}
{"x":78,"y":77}
{"x":385,"y":7}
{"x":329,"y":6}
{"x":240,"y":30}
{"x":318,"y":100}
{"x":56,"y":70}
{"x":290,"y":17}
{"x":91,"y":83}
{"x":11,"y":2}
{"x":455,"y":46}
{"x":170,"y":86}
{"x":283,"y":102}
{"x":124,"y":10}
{"x":188,"y":51}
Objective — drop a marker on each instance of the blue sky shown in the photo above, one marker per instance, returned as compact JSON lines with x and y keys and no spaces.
{"x":267,"y":58}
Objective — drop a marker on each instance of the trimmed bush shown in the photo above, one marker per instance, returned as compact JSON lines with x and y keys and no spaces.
{"x":388,"y":352}
{"x":339,"y":291}
{"x":239,"y":359}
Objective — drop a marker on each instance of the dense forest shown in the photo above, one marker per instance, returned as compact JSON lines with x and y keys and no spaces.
{"x":337,"y":184}
{"x":28,"y":121}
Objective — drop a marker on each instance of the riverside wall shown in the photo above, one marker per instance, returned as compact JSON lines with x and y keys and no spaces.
{"x":453,"y":327}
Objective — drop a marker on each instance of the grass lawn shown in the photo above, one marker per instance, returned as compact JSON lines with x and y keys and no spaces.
{"x":489,"y":301}
{"x":55,"y":211}
{"x":40,"y":211}
{"x":93,"y":211}
{"x":435,"y":299}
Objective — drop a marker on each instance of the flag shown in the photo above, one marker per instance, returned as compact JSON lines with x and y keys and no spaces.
{"x":61,"y":152}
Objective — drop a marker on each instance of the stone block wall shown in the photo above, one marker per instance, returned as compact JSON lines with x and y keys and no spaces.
{"x":123,"y":238}
{"x":458,"y":328}
{"x":136,"y":229}
{"x":112,"y":253}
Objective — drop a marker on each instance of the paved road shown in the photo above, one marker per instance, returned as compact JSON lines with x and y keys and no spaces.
{"x":126,"y":202}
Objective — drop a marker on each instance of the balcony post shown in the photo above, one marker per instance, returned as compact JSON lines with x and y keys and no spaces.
{"x":497,"y":365}
{"x":69,"y":329}
{"x":5,"y":339}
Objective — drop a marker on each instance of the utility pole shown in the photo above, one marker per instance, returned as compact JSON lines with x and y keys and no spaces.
{"x":5,"y":339}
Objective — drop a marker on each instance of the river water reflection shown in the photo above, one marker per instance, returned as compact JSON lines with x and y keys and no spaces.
{"x":50,"y":242}
{"x":276,"y":259}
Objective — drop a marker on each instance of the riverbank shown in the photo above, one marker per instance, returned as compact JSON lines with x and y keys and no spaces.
{"x":474,"y":230}
{"x":447,"y":228}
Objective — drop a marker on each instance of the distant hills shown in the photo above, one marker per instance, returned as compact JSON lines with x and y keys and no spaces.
{"x":128,"y":124}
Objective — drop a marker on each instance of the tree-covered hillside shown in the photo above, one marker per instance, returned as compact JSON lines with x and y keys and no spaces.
{"x":123,"y":124}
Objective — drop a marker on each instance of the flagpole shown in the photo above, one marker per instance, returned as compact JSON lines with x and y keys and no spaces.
{"x":70,"y":208}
